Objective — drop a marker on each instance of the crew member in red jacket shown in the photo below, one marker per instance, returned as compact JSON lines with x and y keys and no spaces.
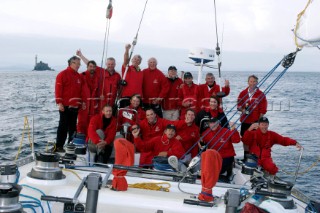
{"x":68,"y":98}
{"x":221,"y":139}
{"x":101,"y":133}
{"x":133,"y":77}
{"x":211,"y":88}
{"x":261,"y":141}
{"x":155,"y":87}
{"x":170,"y":106}
{"x":188,"y":95}
{"x":253,"y":105}
{"x":152,"y":126}
{"x":132,"y":114}
{"x":90,"y":97}
{"x":188,"y":133}
{"x":111,"y":83}
{"x":108,"y":81}
{"x":165,"y":145}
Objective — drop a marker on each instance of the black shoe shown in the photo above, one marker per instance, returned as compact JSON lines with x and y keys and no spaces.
{"x":59,"y":149}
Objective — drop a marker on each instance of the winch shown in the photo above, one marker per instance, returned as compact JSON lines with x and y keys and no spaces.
{"x":9,"y":198}
{"x":250,"y":164}
{"x":279,"y":186}
{"x":79,"y":141}
{"x":47,"y":167}
{"x":8,"y":172}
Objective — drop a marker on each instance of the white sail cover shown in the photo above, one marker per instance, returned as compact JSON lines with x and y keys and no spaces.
{"x":307,"y":31}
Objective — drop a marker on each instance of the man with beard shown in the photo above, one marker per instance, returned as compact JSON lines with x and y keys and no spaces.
{"x":90,"y":96}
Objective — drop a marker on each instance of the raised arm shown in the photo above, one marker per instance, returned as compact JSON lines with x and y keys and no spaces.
{"x":84,"y":59}
{"x":126,"y":55}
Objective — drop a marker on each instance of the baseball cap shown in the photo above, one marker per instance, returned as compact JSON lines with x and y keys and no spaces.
{"x":171,"y":126}
{"x":188,"y":75}
{"x":263,"y":120}
{"x":172,"y":68}
{"x":213,"y":120}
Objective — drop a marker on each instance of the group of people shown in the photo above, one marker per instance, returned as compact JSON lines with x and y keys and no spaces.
{"x":162,"y":115}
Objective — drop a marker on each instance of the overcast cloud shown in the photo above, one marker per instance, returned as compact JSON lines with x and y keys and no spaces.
{"x":254,"y":34}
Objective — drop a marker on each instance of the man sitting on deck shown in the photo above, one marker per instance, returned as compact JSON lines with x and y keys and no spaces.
{"x":164,"y":146}
{"x":101,"y":133}
{"x":261,"y":141}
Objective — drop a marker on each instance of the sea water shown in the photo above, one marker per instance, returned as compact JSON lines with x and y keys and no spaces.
{"x":27,"y":98}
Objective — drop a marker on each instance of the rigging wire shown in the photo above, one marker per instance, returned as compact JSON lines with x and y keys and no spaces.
{"x":106,"y":41}
{"x":218,"y":51}
{"x":134,"y":42}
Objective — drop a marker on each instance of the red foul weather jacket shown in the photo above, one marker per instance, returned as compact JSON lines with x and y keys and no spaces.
{"x":90,"y":96}
{"x":148,"y":132}
{"x":134,"y":79}
{"x":189,"y":134}
{"x":155,"y":85}
{"x":110,"y":87}
{"x":96,"y":123}
{"x":68,"y":88}
{"x":188,"y":94}
{"x":205,"y":93}
{"x":161,"y":144}
{"x":257,"y":105}
{"x":231,"y":136}
{"x":171,"y":101}
{"x":260,"y":144}
{"x":130,"y":117}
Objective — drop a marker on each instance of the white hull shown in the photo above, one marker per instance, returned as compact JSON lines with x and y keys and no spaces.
{"x":136,"y":200}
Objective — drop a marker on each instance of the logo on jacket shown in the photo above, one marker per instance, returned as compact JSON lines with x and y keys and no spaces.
{"x":193,"y":134}
{"x":127,"y":115}
{"x":78,"y":81}
{"x":157,"y":129}
{"x":155,"y":81}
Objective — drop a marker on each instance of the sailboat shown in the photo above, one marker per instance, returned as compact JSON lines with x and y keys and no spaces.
{"x":49,"y":182}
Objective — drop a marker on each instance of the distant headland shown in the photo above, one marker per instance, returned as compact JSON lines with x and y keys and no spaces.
{"x":41,"y":66}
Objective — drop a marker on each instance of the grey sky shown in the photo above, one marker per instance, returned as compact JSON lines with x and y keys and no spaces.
{"x":256,"y":33}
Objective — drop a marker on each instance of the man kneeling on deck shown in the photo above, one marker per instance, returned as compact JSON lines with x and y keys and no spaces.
{"x":261,"y":141}
{"x":161,"y":146}
{"x":101,"y":133}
